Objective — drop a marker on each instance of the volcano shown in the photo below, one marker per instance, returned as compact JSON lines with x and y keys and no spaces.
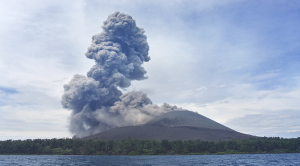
{"x":175,"y":125}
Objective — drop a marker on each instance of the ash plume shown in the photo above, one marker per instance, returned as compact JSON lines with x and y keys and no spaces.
{"x":96,"y":102}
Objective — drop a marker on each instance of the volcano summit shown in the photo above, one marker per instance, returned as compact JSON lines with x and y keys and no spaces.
{"x":175,"y":125}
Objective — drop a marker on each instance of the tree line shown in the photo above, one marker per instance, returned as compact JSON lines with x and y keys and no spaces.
{"x":68,"y":146}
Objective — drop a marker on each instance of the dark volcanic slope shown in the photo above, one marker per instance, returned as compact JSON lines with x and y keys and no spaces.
{"x":185,"y":118}
{"x":176,"y":125}
{"x":168,"y":133}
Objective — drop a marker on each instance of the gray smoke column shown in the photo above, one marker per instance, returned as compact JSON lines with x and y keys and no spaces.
{"x":96,"y":103}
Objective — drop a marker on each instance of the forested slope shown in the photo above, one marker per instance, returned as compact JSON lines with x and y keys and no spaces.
{"x":148,"y":147}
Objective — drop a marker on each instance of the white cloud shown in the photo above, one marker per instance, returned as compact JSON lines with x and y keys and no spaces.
{"x":33,"y":121}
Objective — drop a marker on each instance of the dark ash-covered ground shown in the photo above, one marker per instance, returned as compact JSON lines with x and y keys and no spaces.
{"x":176,"y":125}
{"x":168,"y":133}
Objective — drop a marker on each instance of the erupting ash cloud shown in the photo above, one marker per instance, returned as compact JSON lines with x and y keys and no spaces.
{"x":96,"y":103}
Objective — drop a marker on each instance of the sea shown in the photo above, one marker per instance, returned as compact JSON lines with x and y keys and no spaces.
{"x":164,"y":160}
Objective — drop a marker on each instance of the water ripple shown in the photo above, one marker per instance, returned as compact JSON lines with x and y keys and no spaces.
{"x":182,"y":160}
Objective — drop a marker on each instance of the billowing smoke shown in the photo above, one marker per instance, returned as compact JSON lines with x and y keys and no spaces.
{"x":96,"y":102}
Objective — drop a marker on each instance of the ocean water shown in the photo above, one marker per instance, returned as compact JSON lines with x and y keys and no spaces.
{"x":182,"y":160}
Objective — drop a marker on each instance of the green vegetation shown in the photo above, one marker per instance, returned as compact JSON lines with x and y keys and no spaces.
{"x":147,"y":147}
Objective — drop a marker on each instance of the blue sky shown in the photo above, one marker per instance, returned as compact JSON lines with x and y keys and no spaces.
{"x":234,"y":61}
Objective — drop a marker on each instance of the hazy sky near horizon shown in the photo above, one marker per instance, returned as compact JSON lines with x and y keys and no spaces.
{"x":234,"y":61}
